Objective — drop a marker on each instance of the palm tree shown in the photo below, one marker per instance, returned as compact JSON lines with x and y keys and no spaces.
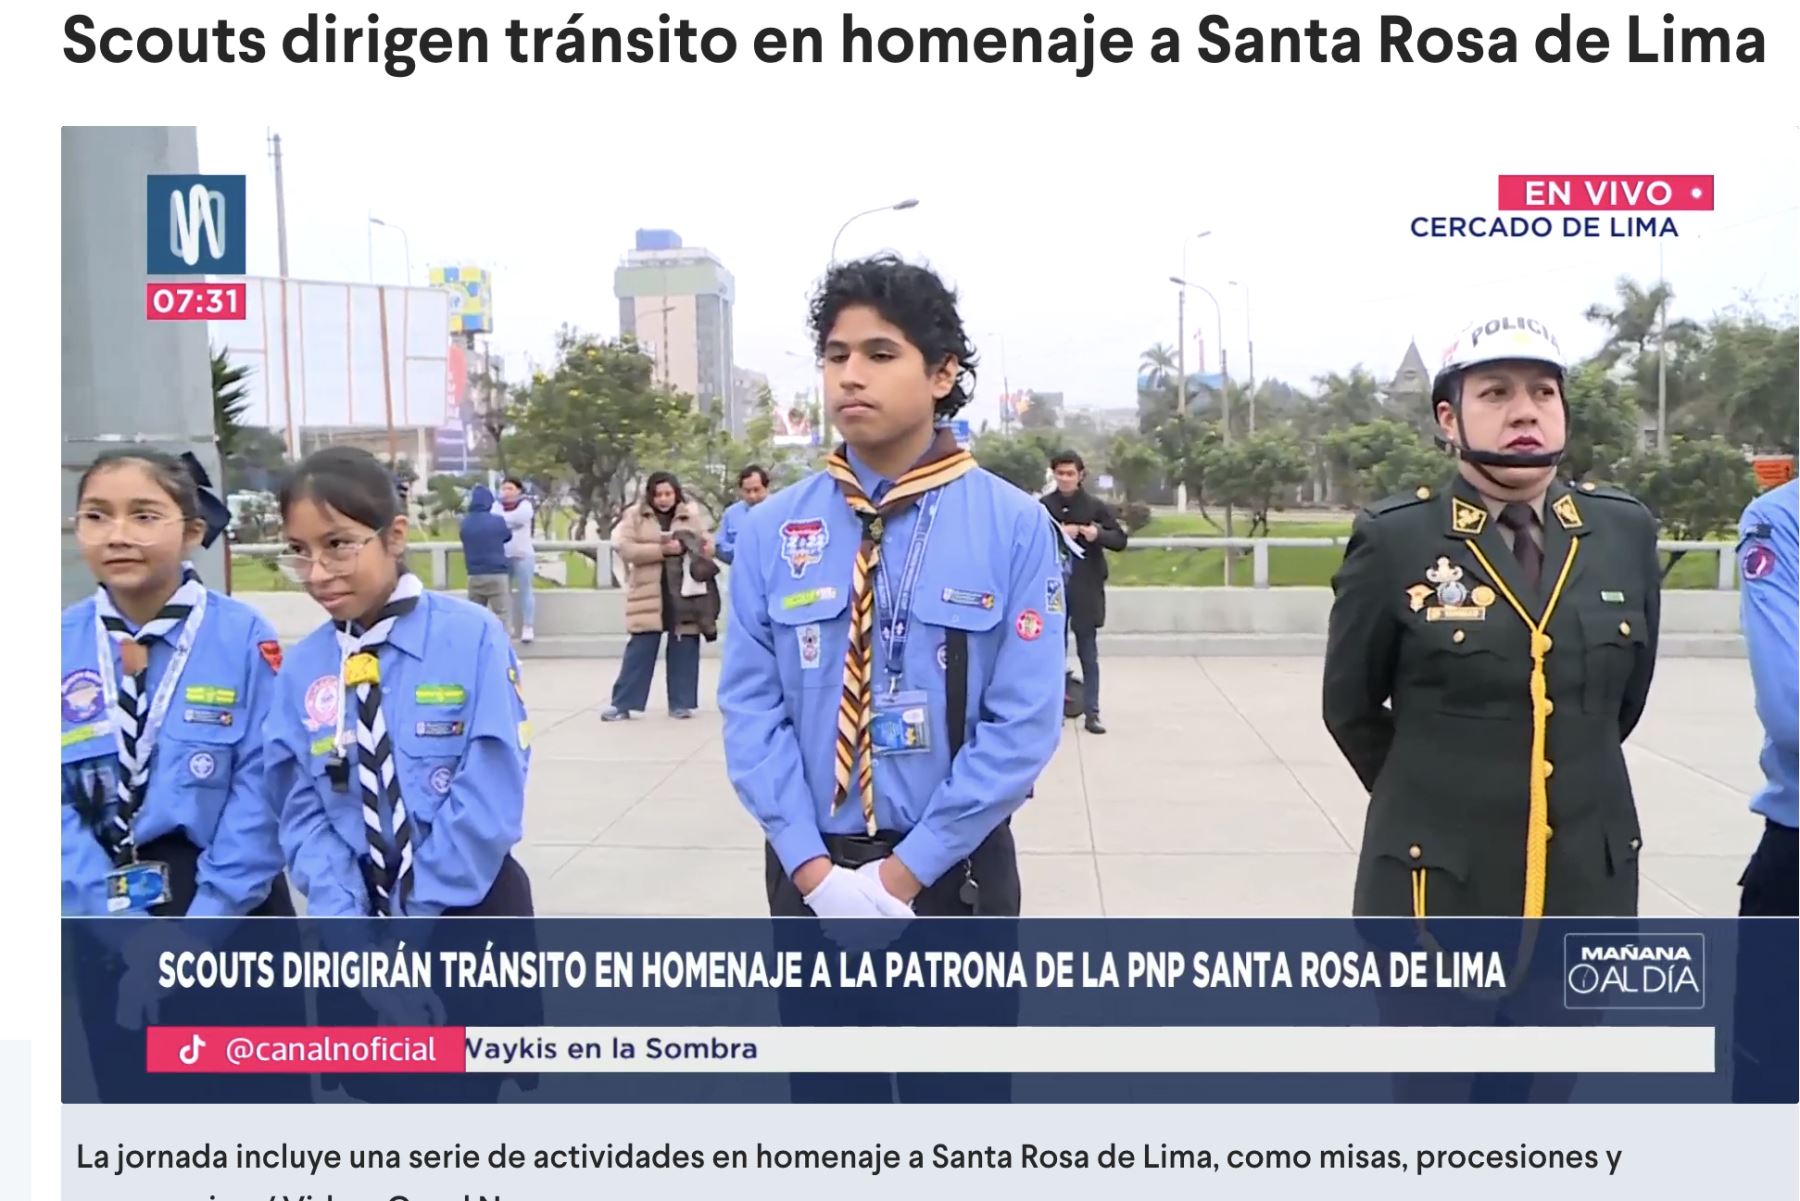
{"x":230,"y":399}
{"x":1632,"y":326}
{"x":1348,"y":399}
{"x":1158,"y":366}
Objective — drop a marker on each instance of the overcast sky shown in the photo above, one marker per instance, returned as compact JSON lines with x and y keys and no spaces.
{"x":1060,"y":232}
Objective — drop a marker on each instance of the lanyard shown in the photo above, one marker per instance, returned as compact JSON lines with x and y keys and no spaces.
{"x":165,"y":691}
{"x":898,"y":609}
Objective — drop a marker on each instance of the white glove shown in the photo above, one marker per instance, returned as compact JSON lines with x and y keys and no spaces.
{"x":889,"y":905}
{"x":842,"y":893}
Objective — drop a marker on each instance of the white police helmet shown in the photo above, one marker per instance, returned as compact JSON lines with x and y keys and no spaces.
{"x":1496,"y":340}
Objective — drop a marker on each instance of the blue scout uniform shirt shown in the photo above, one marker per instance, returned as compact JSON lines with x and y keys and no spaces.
{"x":449,"y":691}
{"x":206,"y":771}
{"x":990,"y":568}
{"x":725,"y":545}
{"x":1768,"y":547}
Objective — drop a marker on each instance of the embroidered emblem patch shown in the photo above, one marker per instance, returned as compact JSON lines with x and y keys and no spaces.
{"x":82,"y":695}
{"x":321,"y":702}
{"x":1030,"y":625}
{"x":803,"y":544}
{"x":807,"y":637}
{"x":201,"y":765}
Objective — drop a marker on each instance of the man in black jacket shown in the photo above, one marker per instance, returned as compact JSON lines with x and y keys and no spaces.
{"x":1091,"y":525}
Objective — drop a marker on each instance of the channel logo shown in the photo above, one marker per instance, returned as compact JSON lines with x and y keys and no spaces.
{"x":1634,"y":971}
{"x":194,"y":225}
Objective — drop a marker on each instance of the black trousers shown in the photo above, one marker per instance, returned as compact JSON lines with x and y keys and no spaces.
{"x":1764,"y":1041}
{"x":994,"y":866}
{"x":1087,"y":649}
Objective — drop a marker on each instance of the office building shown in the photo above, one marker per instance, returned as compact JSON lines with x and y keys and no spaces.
{"x":676,"y":301}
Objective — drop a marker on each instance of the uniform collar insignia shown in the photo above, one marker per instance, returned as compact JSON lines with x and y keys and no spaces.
{"x":1466,"y":518}
{"x":1566,"y":512}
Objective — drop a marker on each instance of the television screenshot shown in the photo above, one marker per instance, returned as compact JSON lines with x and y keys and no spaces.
{"x":765,"y":598}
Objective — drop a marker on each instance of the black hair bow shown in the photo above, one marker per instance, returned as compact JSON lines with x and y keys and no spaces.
{"x":213,"y":511}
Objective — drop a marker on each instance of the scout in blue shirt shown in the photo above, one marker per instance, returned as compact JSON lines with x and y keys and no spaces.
{"x":753,"y":489}
{"x":892,"y":678}
{"x":164,"y":687}
{"x":1768,"y":550}
{"x":397,"y":741}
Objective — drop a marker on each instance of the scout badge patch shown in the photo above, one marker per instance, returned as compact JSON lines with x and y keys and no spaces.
{"x":803,"y":544}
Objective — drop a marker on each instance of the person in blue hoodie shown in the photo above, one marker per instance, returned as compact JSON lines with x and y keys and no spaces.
{"x":397,"y":741}
{"x":484,"y":535}
{"x":165,"y":684}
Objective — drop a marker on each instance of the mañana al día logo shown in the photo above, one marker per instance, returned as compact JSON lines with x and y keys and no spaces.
{"x":1634,"y":971}
{"x":1577,"y":206}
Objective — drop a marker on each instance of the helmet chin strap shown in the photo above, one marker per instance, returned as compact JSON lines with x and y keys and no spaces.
{"x":1481,"y":460}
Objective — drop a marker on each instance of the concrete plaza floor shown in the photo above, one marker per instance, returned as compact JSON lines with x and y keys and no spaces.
{"x":1216,"y":792}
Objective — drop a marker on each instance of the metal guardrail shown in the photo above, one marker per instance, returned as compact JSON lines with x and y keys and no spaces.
{"x":601,"y":551}
{"x":440,"y":553}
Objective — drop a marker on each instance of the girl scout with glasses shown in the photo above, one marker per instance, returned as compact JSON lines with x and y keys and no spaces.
{"x":165,"y":685}
{"x":397,"y":742}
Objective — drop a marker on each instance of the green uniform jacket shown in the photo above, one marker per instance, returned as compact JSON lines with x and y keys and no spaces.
{"x":1429,"y":694}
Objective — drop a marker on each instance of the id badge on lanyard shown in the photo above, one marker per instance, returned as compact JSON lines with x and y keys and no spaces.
{"x":901,"y":723}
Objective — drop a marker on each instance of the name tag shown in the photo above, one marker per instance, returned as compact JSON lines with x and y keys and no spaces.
{"x":207,"y":717}
{"x":901,"y":724}
{"x":137,"y":887}
{"x":438,"y":729}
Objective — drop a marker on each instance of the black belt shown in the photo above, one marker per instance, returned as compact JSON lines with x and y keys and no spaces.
{"x":858,"y":850}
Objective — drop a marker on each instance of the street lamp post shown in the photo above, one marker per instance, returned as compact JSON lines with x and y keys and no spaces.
{"x":904,"y":204}
{"x":1181,"y":351}
{"x":1250,"y":338}
{"x":405,"y":241}
{"x":1224,"y":397}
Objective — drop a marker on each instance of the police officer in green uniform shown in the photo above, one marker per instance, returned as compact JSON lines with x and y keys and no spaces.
{"x":1490,"y":649}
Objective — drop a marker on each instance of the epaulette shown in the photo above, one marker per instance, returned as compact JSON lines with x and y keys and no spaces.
{"x":1606,"y":491}
{"x":1401,"y":500}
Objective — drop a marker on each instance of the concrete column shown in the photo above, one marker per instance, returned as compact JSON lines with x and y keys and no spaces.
{"x":125,"y":380}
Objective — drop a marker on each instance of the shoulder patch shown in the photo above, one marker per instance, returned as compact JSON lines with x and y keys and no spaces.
{"x":1402,"y":500}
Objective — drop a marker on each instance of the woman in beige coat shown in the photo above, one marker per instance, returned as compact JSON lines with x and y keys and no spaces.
{"x":671,"y":588}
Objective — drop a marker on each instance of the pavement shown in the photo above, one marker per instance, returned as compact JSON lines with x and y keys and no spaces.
{"x":1216,"y":792}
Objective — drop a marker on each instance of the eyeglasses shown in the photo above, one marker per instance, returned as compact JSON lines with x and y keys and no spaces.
{"x":95,"y":528}
{"x":339,"y":558}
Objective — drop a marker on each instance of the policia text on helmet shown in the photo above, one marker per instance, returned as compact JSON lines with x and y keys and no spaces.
{"x":1498,"y":402}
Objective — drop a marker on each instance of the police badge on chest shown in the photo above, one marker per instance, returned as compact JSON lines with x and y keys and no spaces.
{"x":1455,"y":601}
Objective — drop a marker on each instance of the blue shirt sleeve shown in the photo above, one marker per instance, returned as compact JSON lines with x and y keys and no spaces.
{"x":1020,"y":717}
{"x":240,"y":864}
{"x":482,"y":819}
{"x":762,"y":750}
{"x":725,"y":545}
{"x":84,"y":862}
{"x":323,"y":866}
{"x":1769,"y":610}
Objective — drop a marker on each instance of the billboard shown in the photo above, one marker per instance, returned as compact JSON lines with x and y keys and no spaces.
{"x":471,"y":298}
{"x":323,"y":365}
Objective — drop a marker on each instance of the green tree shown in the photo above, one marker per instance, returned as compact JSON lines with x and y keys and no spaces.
{"x":1633,"y":322}
{"x":230,"y":399}
{"x":1258,"y":472}
{"x":1019,"y":460}
{"x":1134,"y":465}
{"x":581,"y":425}
{"x":1696,"y":490}
{"x":1604,"y":427}
{"x":1384,"y":457}
{"x":1346,"y":400}
{"x":1186,"y":445}
{"x":1750,"y":382}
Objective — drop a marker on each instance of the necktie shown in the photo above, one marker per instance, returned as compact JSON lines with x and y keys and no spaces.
{"x":391,"y":862}
{"x":943,"y":462}
{"x":1519,"y":518}
{"x":131,"y":709}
